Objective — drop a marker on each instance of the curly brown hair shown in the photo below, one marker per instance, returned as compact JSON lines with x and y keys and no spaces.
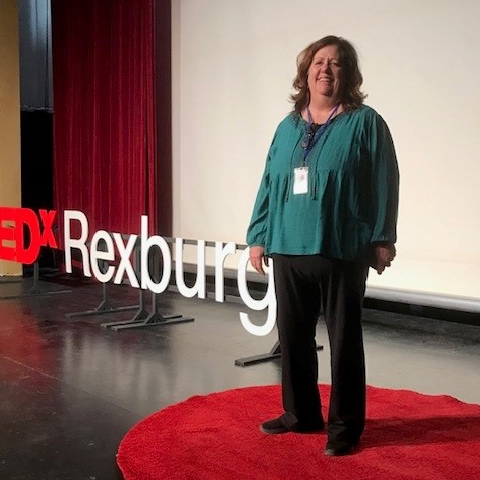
{"x":351,"y":96}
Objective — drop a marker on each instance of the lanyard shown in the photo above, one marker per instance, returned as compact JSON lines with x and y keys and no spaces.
{"x":310,"y":139}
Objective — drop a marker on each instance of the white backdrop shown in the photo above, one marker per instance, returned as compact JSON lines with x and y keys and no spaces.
{"x":233,"y":64}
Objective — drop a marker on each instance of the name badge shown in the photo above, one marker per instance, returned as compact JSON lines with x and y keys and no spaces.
{"x":300,"y":182}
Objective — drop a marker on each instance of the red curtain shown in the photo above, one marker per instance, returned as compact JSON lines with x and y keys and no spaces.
{"x":104,"y":83}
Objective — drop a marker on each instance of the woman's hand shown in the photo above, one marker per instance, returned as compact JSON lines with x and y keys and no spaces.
{"x":382,"y":256}
{"x":258,"y":258}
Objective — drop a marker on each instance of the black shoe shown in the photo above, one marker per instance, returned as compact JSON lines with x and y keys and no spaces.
{"x":337,"y":448}
{"x":288,"y":423}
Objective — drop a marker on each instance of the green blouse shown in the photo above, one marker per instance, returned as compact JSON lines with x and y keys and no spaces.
{"x":352,"y":198}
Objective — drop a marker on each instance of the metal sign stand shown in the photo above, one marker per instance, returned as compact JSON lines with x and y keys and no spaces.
{"x":151,"y":319}
{"x":275,"y":352}
{"x":35,"y":290}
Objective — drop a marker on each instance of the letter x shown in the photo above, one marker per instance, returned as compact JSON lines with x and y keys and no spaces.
{"x":125,"y":265}
{"x":48,"y":238}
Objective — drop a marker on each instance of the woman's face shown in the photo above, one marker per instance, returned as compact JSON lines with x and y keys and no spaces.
{"x":325,"y":73}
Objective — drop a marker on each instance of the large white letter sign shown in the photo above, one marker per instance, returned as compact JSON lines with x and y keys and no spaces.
{"x":100,"y":255}
{"x":145,"y":245}
{"x":199,"y":286}
{"x":269,"y":299}
{"x":79,"y":243}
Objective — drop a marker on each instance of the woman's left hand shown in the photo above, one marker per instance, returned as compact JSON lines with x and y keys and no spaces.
{"x":383,"y":256}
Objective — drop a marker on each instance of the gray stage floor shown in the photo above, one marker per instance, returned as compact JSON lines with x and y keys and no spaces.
{"x":70,"y":389}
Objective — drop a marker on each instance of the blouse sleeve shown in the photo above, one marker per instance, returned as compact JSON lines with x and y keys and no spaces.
{"x":385,"y":183}
{"x":257,"y":230}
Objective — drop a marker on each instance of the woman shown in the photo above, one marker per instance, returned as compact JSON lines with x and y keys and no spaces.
{"x":326,"y":210}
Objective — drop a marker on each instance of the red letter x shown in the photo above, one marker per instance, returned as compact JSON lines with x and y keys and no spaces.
{"x":48,"y":238}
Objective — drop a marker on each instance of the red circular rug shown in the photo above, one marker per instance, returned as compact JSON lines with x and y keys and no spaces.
{"x":408,"y":436}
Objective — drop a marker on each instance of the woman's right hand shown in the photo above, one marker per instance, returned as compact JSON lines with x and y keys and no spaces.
{"x":258,"y":258}
{"x":383,"y":256}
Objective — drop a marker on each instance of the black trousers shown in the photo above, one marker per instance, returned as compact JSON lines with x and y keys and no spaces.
{"x":307,"y":286}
